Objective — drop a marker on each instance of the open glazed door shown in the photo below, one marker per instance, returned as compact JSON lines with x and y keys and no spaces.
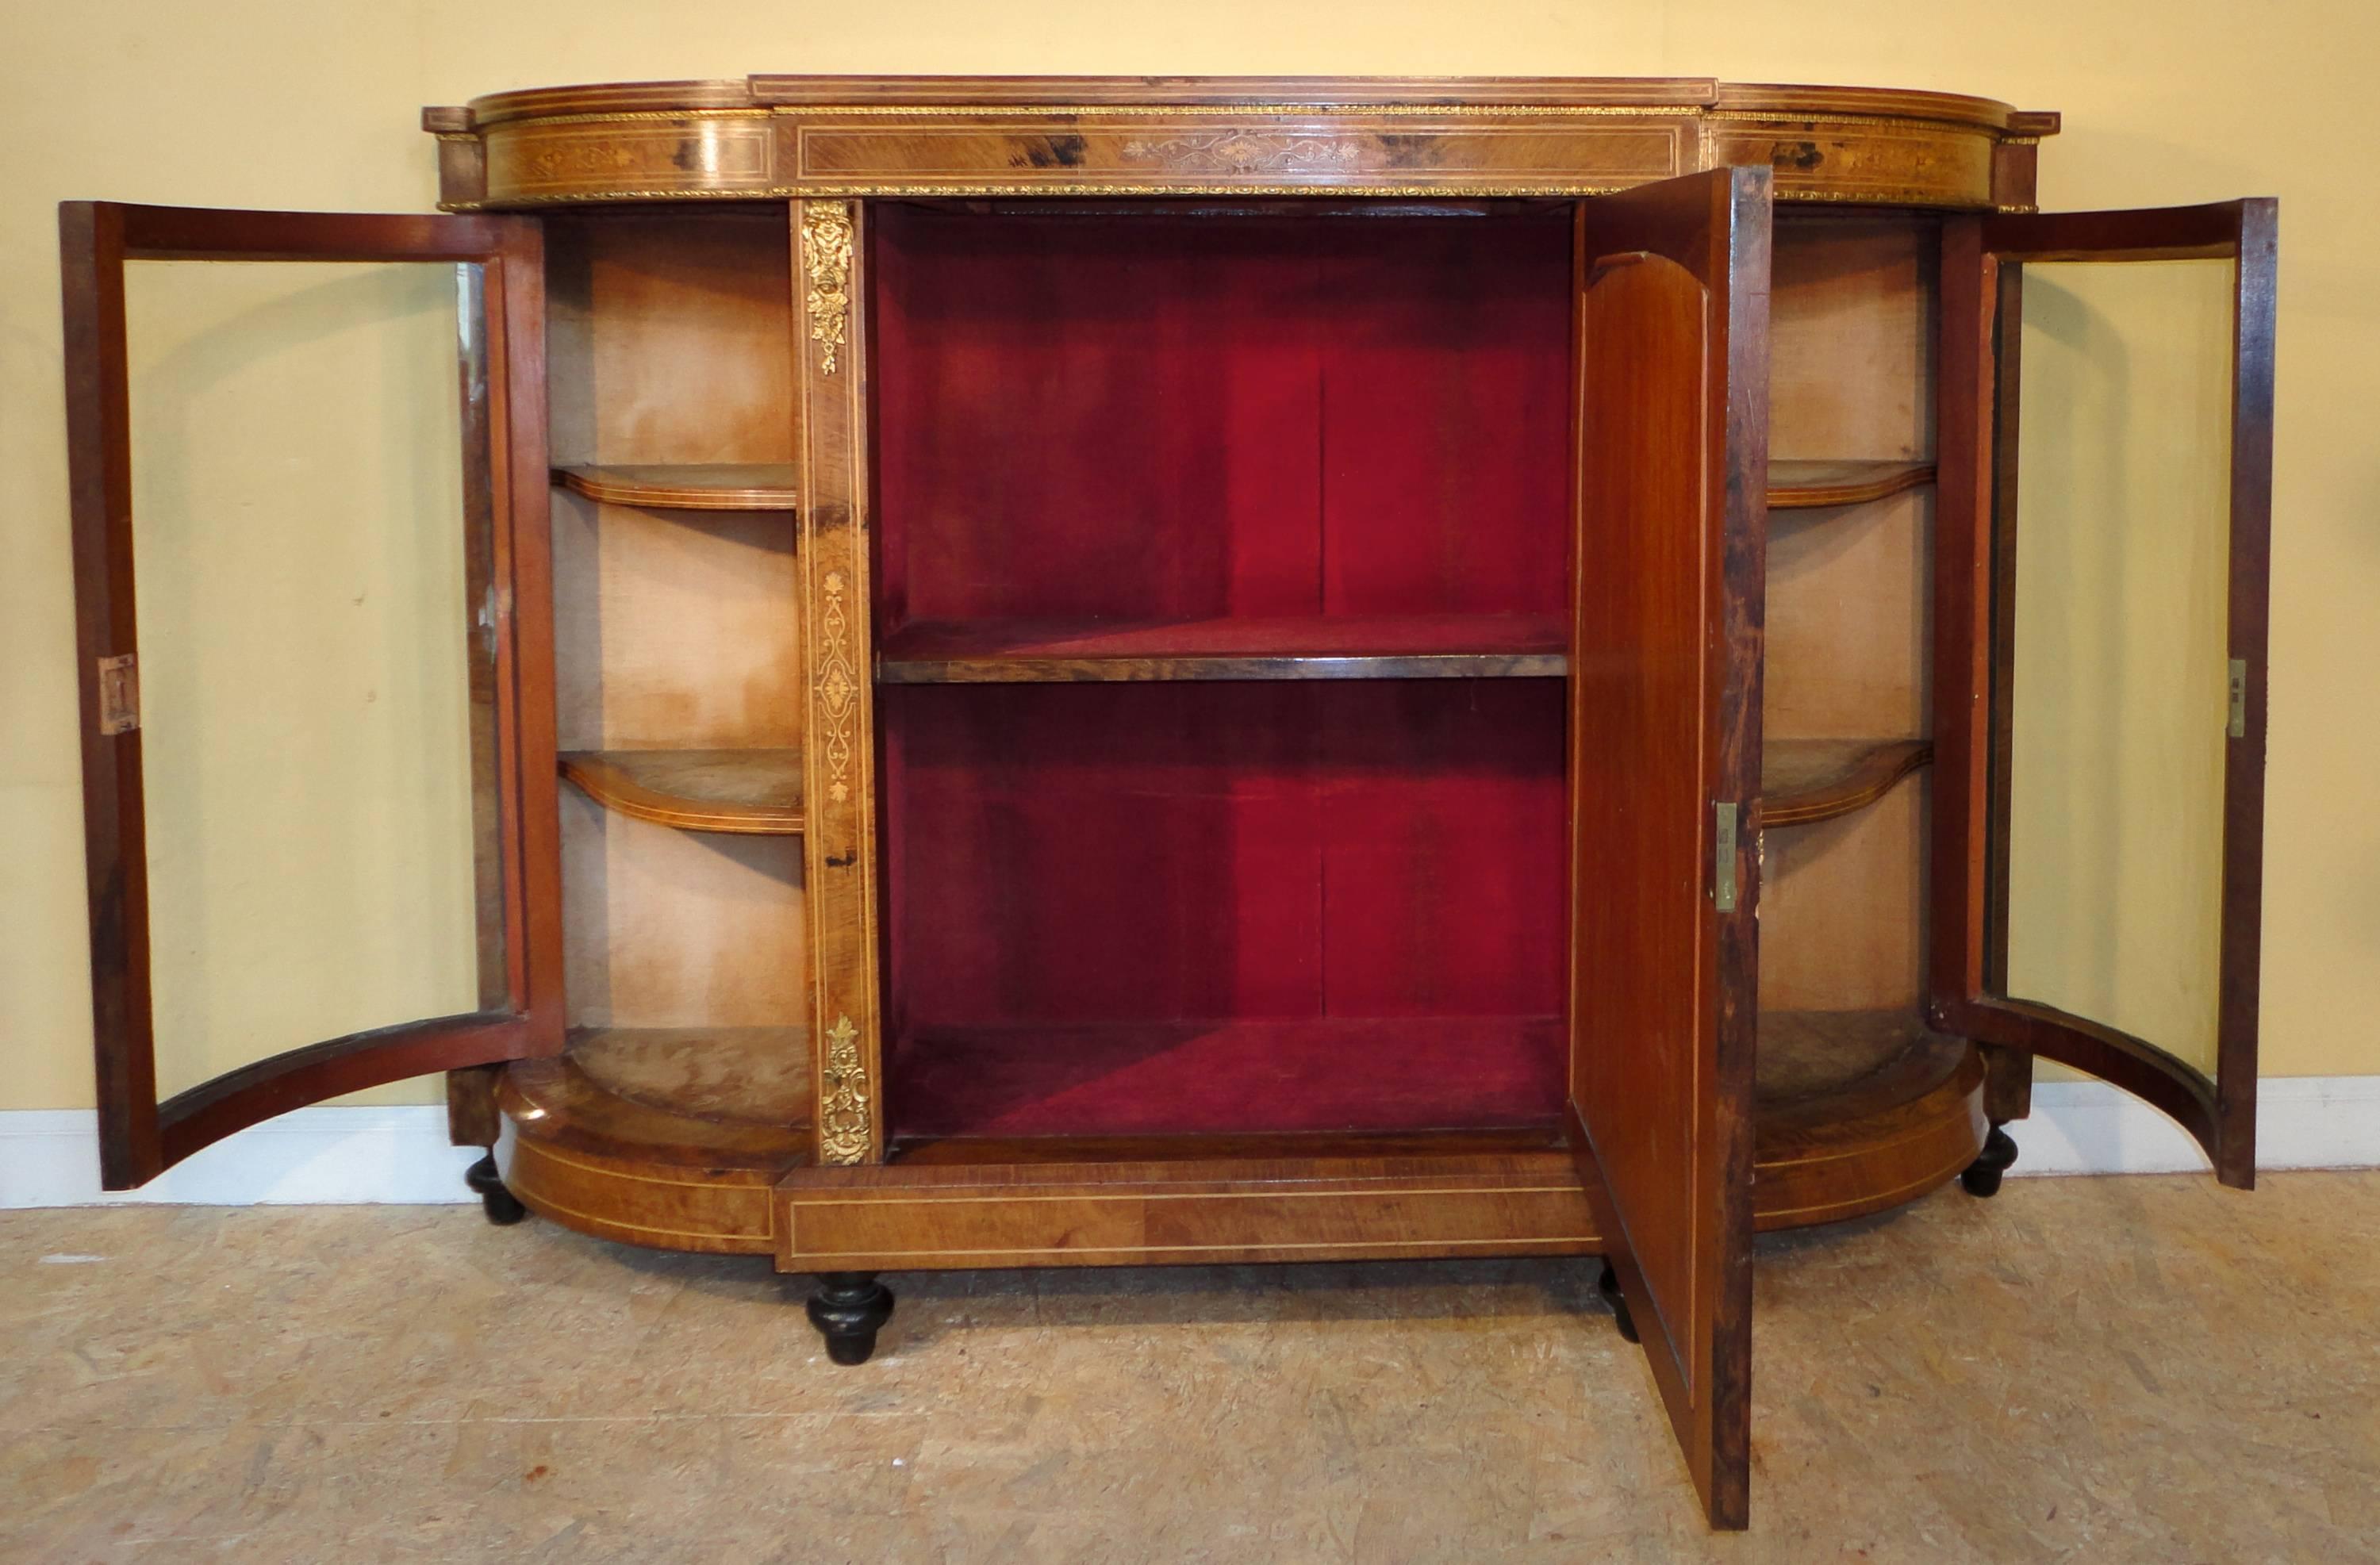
{"x":312,"y":613}
{"x":1665,"y":755}
{"x":2100,"y":614}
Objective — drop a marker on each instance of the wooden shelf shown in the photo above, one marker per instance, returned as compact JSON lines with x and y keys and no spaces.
{"x":1858,"y":1112}
{"x":769,"y":486}
{"x":1807,"y":486}
{"x":1855,"y":1112}
{"x":1810,"y":1059}
{"x":668,"y":1136}
{"x":1400,"y":647}
{"x":756,"y":793}
{"x":1807,"y":780}
{"x":711,"y":486}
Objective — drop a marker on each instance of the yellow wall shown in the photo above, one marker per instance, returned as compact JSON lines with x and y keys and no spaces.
{"x":2121,"y":679}
{"x":300,"y":103}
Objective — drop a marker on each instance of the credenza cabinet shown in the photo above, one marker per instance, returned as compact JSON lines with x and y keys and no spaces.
{"x":1082,"y":672}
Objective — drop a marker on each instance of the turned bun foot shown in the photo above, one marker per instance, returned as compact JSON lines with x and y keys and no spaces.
{"x":1983,"y":1175}
{"x":1608,"y":1286}
{"x":504,"y":1209}
{"x":848,"y":1309}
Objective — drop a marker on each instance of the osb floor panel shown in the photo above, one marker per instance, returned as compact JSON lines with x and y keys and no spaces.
{"x":2149,"y":1369}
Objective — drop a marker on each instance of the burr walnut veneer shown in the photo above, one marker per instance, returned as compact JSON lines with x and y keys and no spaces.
{"x":1147,"y":670}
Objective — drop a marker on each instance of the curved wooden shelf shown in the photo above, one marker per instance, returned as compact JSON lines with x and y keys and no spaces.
{"x":712,"y":486}
{"x":729,"y":1075}
{"x":657,"y":1136}
{"x":1809,"y":486}
{"x":1859,"y":1112}
{"x":753,"y":793}
{"x":1807,"y":780}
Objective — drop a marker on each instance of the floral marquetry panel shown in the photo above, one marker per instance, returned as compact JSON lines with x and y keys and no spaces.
{"x":839,"y":847}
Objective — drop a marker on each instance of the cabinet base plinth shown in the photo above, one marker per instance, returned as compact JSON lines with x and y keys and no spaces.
{"x":1898,"y":1122}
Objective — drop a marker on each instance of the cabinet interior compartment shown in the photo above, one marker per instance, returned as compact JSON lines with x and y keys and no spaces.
{"x":1160,"y":447}
{"x":1853,"y":325}
{"x":678,"y":663}
{"x":1220,"y":436}
{"x":1225,"y":907}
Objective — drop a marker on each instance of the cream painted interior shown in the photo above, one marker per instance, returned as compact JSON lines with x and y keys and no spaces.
{"x":275,"y":103}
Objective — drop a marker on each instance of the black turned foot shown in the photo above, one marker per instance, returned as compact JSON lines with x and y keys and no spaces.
{"x":1983,"y":1175}
{"x":848,"y":1309}
{"x":1608,"y":1286}
{"x":503,"y":1207}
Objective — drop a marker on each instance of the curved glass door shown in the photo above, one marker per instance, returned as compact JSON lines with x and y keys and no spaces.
{"x":2107,"y":429}
{"x":308,"y":509}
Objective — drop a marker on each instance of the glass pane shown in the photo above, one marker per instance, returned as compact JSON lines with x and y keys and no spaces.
{"x":316,"y":732}
{"x":2121,"y":691}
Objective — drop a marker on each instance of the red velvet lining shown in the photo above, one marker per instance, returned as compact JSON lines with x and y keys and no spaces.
{"x":1068,"y":865}
{"x":1247,"y":1076}
{"x":1176,"y":908}
{"x":1177,"y":417}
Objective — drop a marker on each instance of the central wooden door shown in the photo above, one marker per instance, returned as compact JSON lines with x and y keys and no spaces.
{"x":1672,"y":330}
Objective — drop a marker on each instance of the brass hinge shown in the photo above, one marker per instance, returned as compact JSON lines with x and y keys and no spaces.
{"x":2239,"y":729}
{"x":1723,"y":869}
{"x":119,"y":694}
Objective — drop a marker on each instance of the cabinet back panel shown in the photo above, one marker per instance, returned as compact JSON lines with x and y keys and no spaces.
{"x":670,"y":340}
{"x":1842,"y":908}
{"x":1853,"y":319}
{"x":1153,"y":416}
{"x":1852,"y":329}
{"x":675,"y":630}
{"x":670,"y":337}
{"x":671,"y":928}
{"x":1848,"y":640}
{"x":1852,"y":325}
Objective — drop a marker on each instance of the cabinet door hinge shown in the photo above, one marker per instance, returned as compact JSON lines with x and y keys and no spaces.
{"x":1723,"y":857}
{"x":2239,"y":729}
{"x":119,"y":694}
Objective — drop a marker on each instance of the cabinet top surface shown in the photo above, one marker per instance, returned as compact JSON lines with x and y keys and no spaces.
{"x":1454,"y":95}
{"x":820,"y":137}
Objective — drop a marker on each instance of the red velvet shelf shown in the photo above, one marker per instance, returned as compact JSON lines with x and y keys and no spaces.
{"x":1316,"y":646}
{"x":1245,"y":1075}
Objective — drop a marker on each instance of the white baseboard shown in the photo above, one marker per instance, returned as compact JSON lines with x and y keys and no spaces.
{"x":2301,"y":1122}
{"x":50,"y":1157}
